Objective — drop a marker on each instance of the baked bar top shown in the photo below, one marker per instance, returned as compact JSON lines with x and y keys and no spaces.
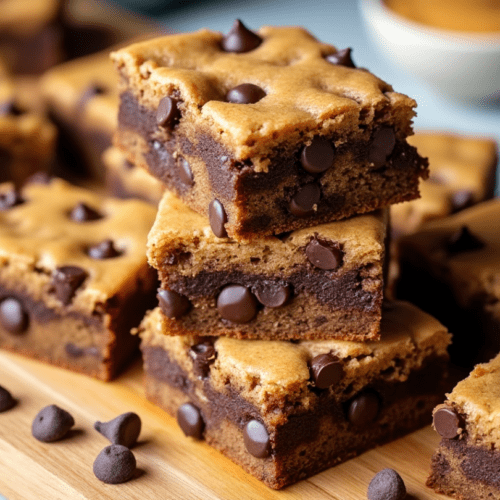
{"x":26,"y":17}
{"x":179,"y":229}
{"x":47,"y":228}
{"x":264,"y":371}
{"x":304,"y":91}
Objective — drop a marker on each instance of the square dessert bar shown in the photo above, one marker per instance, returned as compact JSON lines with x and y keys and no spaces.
{"x":287,"y":410}
{"x":462,"y":173}
{"x":465,"y":466}
{"x":322,"y":282}
{"x":456,"y":262}
{"x":265,"y":132}
{"x":73,"y":276}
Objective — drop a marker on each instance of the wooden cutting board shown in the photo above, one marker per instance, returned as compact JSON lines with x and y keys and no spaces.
{"x":170,"y":466}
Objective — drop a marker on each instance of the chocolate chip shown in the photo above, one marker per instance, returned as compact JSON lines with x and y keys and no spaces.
{"x":66,"y":280}
{"x":386,"y":485}
{"x":173,"y":304}
{"x":273,"y":294}
{"x":104,"y":250}
{"x":305,"y":200}
{"x":167,"y":113}
{"x":10,"y":199}
{"x":237,"y":304}
{"x":42,"y":178}
{"x":240,"y":39}
{"x":123,"y":430}
{"x":190,"y":420}
{"x":51,"y":424}
{"x":185,"y":174}
{"x":447,"y":422}
{"x":114,"y":465}
{"x":463,"y":240}
{"x":256,"y":439}
{"x":383,"y":142}
{"x":246,"y":93}
{"x":324,"y":255}
{"x":5,"y":107}
{"x":363,"y":409}
{"x":342,"y":58}
{"x":90,"y":92}
{"x":11,"y":108}
{"x":203,"y":355}
{"x":326,"y":370}
{"x":6,"y":400}
{"x":73,"y":350}
{"x":217,"y":217}
{"x":13,"y":316}
{"x":83,"y":213}
{"x":318,"y":156}
{"x":462,"y":198}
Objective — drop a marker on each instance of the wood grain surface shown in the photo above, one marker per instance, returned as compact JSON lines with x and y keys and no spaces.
{"x":170,"y":466}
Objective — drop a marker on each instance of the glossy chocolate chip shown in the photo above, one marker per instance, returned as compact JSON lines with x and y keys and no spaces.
{"x":6,"y":400}
{"x":237,"y":304}
{"x":273,"y":294}
{"x":114,"y":465}
{"x":51,"y":424}
{"x":447,"y":422}
{"x":185,"y":173}
{"x":190,"y":421}
{"x":203,"y":355}
{"x":66,"y":280}
{"x":167,"y":112}
{"x":463,"y":240}
{"x":240,"y":39}
{"x":326,"y":370}
{"x":256,"y":439}
{"x":460,"y":199}
{"x":318,"y":156}
{"x":386,"y":485}
{"x":104,"y":250}
{"x":13,"y":317}
{"x":83,"y":213}
{"x":303,"y":203}
{"x":383,"y":142}
{"x":123,"y":430}
{"x":10,"y":199}
{"x":363,"y":409}
{"x":173,"y":304}
{"x":246,"y":93}
{"x":342,"y":58}
{"x":217,"y":217}
{"x":324,"y":255}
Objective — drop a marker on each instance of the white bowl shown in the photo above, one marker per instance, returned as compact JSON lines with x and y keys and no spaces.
{"x":458,"y":64}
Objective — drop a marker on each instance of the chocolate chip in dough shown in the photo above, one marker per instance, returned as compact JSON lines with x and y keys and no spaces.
{"x":383,"y":142}
{"x":51,"y":424}
{"x":237,"y":304}
{"x":190,"y":420}
{"x":318,"y":156}
{"x":173,"y":304}
{"x":342,"y":58}
{"x":66,"y":280}
{"x":90,"y":92}
{"x":167,"y":113}
{"x":203,"y":355}
{"x":323,"y":255}
{"x":386,"y":485}
{"x":6,"y":400}
{"x":460,"y":199}
{"x":83,"y":213}
{"x":256,"y":439}
{"x":115,"y":464}
{"x":273,"y":294}
{"x":246,"y":93}
{"x":13,"y":317}
{"x":185,"y":173}
{"x":217,"y":218}
{"x":463,"y":240}
{"x":326,"y":370}
{"x":10,"y":199}
{"x":240,"y":39}
{"x":123,"y":430}
{"x":304,"y":202}
{"x":104,"y":250}
{"x":447,"y":422}
{"x":363,"y":409}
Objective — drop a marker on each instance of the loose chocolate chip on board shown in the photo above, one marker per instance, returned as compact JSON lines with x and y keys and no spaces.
{"x":6,"y":400}
{"x":383,"y":142}
{"x":51,"y":424}
{"x":326,"y":370}
{"x":104,"y":250}
{"x":256,"y":439}
{"x":167,"y":112}
{"x":237,"y":304}
{"x":463,"y":240}
{"x":342,"y":58}
{"x":273,"y":294}
{"x":123,"y":430}
{"x":303,"y":203}
{"x":115,"y":464}
{"x":318,"y":156}
{"x":217,"y":218}
{"x":363,"y":409}
{"x":66,"y":280}
{"x":173,"y":304}
{"x":190,"y":420}
{"x":240,"y":39}
{"x":203,"y":355}
{"x":324,"y":256}
{"x":246,"y":93}
{"x":10,"y":199}
{"x":13,"y":317}
{"x":463,"y":198}
{"x":386,"y":485}
{"x":447,"y":422}
{"x":83,"y":213}
{"x":185,"y":173}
